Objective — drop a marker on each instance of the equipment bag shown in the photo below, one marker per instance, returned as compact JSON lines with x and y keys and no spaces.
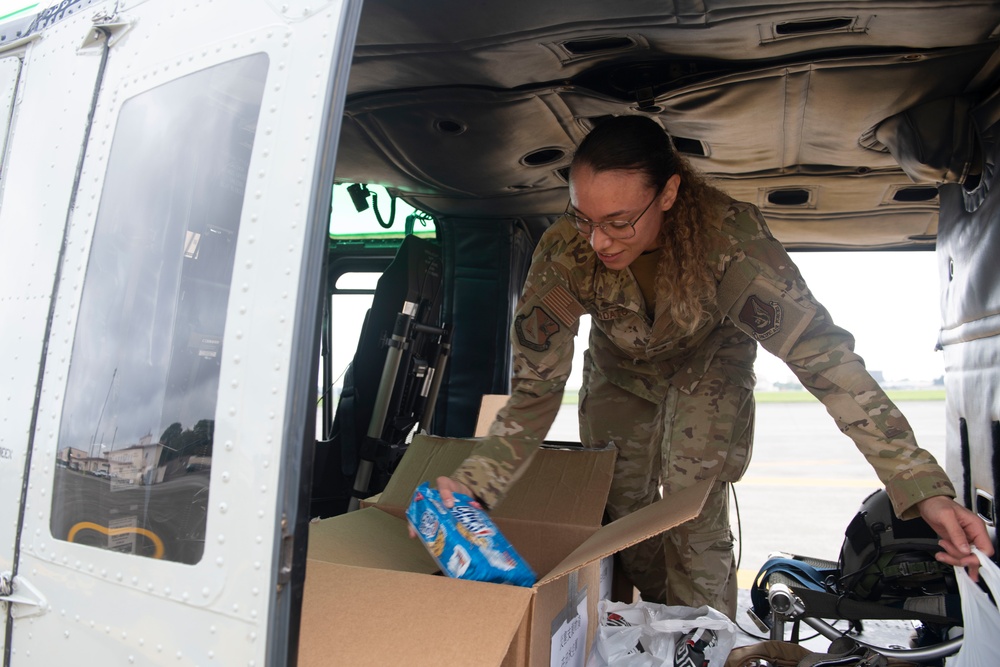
{"x":771,"y":652}
{"x":843,"y":652}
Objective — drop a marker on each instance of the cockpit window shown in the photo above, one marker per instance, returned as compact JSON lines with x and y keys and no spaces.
{"x":135,"y":441}
{"x":362,"y":211}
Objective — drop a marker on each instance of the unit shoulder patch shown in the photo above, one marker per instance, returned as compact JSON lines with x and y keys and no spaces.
{"x":535,"y":330}
{"x":763,"y":317}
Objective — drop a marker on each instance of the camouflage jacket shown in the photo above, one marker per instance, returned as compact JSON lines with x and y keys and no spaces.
{"x":761,"y":298}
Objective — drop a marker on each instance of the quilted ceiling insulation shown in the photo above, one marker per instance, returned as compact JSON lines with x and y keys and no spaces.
{"x":838,"y":119}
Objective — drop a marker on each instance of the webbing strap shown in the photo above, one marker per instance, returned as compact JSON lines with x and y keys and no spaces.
{"x":905,"y":569}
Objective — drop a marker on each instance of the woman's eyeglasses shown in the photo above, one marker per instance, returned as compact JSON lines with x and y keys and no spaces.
{"x":616,"y":229}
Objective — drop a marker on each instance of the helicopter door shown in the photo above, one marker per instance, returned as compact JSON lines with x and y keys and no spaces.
{"x":168,"y":250}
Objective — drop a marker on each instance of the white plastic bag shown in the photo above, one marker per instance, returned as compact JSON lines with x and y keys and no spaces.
{"x":646,"y":634}
{"x":981,"y":618}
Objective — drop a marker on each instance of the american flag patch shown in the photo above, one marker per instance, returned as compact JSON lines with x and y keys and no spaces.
{"x":562,"y":304}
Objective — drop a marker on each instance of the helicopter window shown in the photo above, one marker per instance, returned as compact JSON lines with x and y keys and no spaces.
{"x":135,"y":442}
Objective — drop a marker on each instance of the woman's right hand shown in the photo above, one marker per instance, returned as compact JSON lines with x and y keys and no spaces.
{"x":447,"y":487}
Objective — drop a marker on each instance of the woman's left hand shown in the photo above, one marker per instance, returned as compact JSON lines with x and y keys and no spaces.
{"x":957,"y":527}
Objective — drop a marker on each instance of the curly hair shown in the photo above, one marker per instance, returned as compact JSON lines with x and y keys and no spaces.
{"x":684,"y":277}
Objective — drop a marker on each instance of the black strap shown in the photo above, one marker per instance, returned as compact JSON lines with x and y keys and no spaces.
{"x":346,"y":417}
{"x":829,"y":605}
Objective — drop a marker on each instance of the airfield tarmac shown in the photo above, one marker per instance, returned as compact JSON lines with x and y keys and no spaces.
{"x":805,"y":482}
{"x":806,"y":479}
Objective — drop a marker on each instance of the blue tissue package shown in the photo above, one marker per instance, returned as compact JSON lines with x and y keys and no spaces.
{"x":464,"y":540}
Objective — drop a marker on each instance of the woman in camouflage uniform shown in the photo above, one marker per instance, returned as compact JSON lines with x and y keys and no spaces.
{"x":682,"y":283}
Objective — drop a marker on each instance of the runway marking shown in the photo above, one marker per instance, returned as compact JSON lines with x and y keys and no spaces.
{"x":744,"y":578}
{"x":804,"y":462}
{"x":843,"y":482}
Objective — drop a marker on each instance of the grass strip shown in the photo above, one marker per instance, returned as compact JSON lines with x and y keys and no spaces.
{"x":897,"y":395}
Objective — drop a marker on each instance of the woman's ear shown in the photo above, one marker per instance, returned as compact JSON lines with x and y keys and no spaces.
{"x":670,"y":191}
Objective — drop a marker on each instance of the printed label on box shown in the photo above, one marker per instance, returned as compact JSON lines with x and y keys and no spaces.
{"x":569,"y":641}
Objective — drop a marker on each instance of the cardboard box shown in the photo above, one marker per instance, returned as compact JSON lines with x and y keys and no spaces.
{"x":373,"y":596}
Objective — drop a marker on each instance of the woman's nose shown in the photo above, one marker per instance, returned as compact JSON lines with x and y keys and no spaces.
{"x":599,"y":240}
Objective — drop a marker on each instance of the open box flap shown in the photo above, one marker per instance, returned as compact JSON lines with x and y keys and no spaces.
{"x":634,"y":528}
{"x":359,"y":616}
{"x":369,"y":538}
{"x":543,"y":545}
{"x":564,"y":486}
{"x":560,"y":486}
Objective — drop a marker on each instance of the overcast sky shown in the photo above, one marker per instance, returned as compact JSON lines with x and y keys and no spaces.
{"x":888,"y":300}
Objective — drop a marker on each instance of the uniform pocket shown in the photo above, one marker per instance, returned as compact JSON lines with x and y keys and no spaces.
{"x":711,"y":432}
{"x":717,"y":540}
{"x":741,"y":439}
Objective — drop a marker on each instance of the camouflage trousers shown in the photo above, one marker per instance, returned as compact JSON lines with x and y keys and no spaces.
{"x":661,"y":449}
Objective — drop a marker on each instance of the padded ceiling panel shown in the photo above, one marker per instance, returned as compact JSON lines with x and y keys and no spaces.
{"x":403,"y":43}
{"x":851,"y":206}
{"x":467,"y":142}
{"x":448,"y":101}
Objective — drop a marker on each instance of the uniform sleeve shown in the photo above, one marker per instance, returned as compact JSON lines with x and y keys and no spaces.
{"x":542,"y":333}
{"x":777,"y":309}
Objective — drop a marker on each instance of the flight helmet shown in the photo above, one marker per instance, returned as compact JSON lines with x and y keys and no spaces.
{"x":883,"y":557}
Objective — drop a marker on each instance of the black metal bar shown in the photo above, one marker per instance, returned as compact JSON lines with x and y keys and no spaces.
{"x":400,"y":333}
{"x":966,"y":455}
